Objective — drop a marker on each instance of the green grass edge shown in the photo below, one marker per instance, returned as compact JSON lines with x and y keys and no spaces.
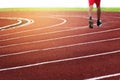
{"x":58,"y":9}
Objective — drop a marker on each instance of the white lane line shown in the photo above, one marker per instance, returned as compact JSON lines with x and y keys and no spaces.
{"x":63,"y":22}
{"x":59,"y":60}
{"x":47,"y":26}
{"x":82,"y":16}
{"x":46,"y":33}
{"x":19,"y":53}
{"x":71,"y":29}
{"x":58,"y":38}
{"x":29,"y":21}
{"x":78,"y":44}
{"x":19,"y":22}
{"x":59,"y":31}
{"x":58,"y":47}
{"x":105,"y":76}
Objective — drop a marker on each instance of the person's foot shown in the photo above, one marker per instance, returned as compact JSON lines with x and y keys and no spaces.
{"x":90,"y":23}
{"x":99,"y":23}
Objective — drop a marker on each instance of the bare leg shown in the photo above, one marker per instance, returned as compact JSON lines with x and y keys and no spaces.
{"x":98,"y":16}
{"x":90,"y":17}
{"x":98,"y":13}
{"x":90,"y":11}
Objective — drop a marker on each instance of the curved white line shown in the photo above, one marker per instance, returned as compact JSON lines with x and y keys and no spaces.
{"x":68,"y":59}
{"x":71,"y":29}
{"x":48,"y":26}
{"x":18,"y":19}
{"x":59,"y":60}
{"x":53,"y":32}
{"x":64,"y":21}
{"x":29,"y":21}
{"x":81,"y":16}
{"x":19,"y":22}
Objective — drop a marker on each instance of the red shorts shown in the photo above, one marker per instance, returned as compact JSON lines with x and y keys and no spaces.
{"x":97,"y":2}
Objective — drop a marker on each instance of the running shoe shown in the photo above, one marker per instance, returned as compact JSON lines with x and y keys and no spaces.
{"x":99,"y":23}
{"x":90,"y":23}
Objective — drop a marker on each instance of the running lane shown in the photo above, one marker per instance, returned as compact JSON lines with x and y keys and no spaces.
{"x":70,"y":51}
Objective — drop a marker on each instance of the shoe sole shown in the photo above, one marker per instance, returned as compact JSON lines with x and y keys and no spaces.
{"x":99,"y":25}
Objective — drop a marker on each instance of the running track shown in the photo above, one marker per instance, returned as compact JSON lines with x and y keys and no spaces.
{"x":59,"y":46}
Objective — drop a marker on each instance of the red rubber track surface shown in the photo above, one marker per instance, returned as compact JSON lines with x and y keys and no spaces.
{"x":60,"y":36}
{"x":5,"y":22}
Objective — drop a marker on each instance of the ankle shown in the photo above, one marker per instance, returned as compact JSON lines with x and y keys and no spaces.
{"x":90,"y":18}
{"x":98,"y":19}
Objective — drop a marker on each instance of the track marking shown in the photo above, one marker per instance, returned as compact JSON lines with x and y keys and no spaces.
{"x":103,"y":77}
{"x":60,"y":60}
{"x":71,"y":29}
{"x":63,"y":22}
{"x":48,"y":26}
{"x":55,"y":61}
{"x":59,"y":47}
{"x":53,"y":39}
{"x":78,"y":44}
{"x":20,"y":23}
{"x":81,"y":16}
{"x":3,"y":27}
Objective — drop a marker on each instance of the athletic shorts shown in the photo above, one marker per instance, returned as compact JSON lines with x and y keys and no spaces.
{"x":97,"y":2}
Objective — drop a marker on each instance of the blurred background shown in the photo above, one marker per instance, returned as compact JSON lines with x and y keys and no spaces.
{"x":54,"y":3}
